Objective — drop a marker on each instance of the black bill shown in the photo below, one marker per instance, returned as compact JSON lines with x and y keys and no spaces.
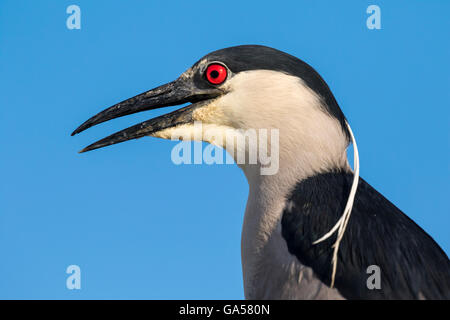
{"x":175,"y":118}
{"x":177,"y":92}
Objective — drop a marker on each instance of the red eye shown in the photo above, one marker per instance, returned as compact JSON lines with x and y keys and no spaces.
{"x":216,"y":73}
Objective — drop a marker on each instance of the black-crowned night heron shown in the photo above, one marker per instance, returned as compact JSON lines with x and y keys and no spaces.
{"x":298,"y":239}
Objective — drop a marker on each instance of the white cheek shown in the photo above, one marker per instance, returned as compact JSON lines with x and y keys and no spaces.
{"x":309,"y":137}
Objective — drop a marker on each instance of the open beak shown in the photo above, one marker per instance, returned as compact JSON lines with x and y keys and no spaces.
{"x":177,"y":92}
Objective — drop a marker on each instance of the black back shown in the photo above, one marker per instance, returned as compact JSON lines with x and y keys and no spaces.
{"x":412,"y":264}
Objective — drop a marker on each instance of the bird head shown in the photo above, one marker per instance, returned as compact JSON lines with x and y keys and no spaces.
{"x":238,"y":89}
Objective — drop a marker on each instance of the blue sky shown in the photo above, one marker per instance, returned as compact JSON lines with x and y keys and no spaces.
{"x":138,"y":225}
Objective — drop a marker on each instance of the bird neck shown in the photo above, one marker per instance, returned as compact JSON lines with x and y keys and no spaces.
{"x":268,"y":193}
{"x":261,"y":233}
